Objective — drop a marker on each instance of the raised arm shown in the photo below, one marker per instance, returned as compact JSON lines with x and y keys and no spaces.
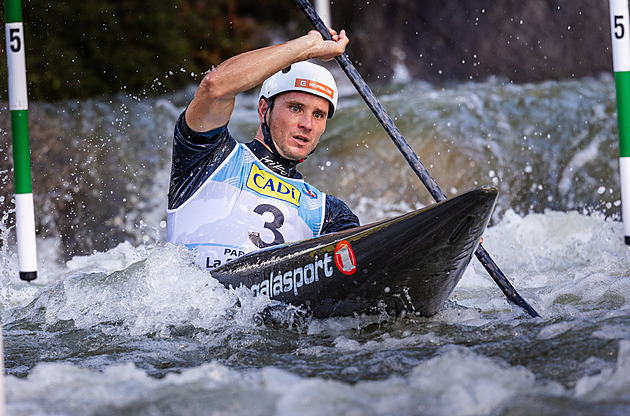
{"x":214,"y":100}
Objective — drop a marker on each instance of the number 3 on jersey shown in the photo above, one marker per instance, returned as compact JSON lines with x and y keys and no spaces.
{"x":273,"y":226}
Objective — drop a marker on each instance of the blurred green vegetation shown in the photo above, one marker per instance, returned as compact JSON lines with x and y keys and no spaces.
{"x":80,"y":49}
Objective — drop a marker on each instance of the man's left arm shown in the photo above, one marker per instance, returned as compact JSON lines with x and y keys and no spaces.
{"x":338,"y":216}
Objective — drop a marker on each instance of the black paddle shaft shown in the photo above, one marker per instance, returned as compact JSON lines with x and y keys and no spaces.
{"x":409,"y":155}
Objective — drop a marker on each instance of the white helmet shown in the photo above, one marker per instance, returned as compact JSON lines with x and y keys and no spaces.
{"x":303,"y":77}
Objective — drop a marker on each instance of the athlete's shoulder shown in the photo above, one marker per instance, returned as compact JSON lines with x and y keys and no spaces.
{"x":184,"y":134}
{"x":196,"y":156}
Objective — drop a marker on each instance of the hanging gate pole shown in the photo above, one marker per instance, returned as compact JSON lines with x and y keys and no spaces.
{"x":619,"y":26}
{"x":18,"y":104}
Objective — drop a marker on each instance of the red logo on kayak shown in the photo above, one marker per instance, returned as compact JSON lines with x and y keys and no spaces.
{"x":344,"y":258}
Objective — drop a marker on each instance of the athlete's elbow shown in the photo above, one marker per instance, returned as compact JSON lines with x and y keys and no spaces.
{"x":213,"y":87}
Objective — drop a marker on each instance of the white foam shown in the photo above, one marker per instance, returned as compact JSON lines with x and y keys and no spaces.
{"x":611,"y":383}
{"x":163,"y":290}
{"x":455,"y":382}
{"x":562,"y":263}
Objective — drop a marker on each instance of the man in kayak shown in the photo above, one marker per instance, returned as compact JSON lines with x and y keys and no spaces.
{"x":228,"y":198}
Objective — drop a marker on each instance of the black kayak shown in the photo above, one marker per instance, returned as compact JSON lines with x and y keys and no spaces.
{"x":410,"y":263}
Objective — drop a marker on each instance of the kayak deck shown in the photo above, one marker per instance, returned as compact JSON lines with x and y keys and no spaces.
{"x":409,"y":263}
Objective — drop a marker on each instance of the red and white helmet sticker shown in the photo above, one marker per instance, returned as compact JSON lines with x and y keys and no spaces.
{"x":316,"y":86}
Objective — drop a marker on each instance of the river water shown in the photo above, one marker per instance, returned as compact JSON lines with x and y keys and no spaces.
{"x":120,"y":323}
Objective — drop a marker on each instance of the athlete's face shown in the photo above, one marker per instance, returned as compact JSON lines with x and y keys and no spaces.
{"x":297,"y":120}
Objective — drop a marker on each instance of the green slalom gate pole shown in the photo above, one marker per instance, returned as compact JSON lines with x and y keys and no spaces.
{"x":620,"y":25}
{"x":18,"y":104}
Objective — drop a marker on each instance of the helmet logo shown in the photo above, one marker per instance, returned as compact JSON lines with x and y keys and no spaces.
{"x":316,"y":86}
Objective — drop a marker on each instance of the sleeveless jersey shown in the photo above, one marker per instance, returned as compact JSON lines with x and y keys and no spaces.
{"x":244,"y":206}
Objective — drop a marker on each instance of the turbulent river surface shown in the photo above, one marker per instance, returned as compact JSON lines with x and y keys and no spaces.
{"x":121,"y":323}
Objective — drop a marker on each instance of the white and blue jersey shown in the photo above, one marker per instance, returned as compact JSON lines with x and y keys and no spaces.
{"x":243,"y":206}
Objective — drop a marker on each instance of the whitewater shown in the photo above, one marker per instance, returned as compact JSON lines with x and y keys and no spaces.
{"x":120,"y":323}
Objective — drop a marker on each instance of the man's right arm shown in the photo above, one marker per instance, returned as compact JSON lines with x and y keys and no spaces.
{"x":214,"y":100}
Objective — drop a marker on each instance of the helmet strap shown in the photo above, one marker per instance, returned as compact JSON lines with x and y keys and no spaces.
{"x":265,"y":129}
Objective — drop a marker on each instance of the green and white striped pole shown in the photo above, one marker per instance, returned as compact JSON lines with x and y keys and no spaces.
{"x":619,"y":25}
{"x":18,"y":104}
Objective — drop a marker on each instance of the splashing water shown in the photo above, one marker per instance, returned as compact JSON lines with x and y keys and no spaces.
{"x":121,"y":323}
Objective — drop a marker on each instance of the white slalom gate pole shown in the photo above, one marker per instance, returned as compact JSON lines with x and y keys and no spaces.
{"x":323,"y":10}
{"x":620,"y":25}
{"x":18,"y":104}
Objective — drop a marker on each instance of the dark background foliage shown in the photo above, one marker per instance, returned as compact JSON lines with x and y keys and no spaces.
{"x":85,"y":48}
{"x":89,"y":47}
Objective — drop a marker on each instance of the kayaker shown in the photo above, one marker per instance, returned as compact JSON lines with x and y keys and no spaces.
{"x":228,"y":198}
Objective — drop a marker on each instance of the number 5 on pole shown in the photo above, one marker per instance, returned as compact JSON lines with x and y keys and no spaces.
{"x":18,"y":104}
{"x":621,"y":64}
